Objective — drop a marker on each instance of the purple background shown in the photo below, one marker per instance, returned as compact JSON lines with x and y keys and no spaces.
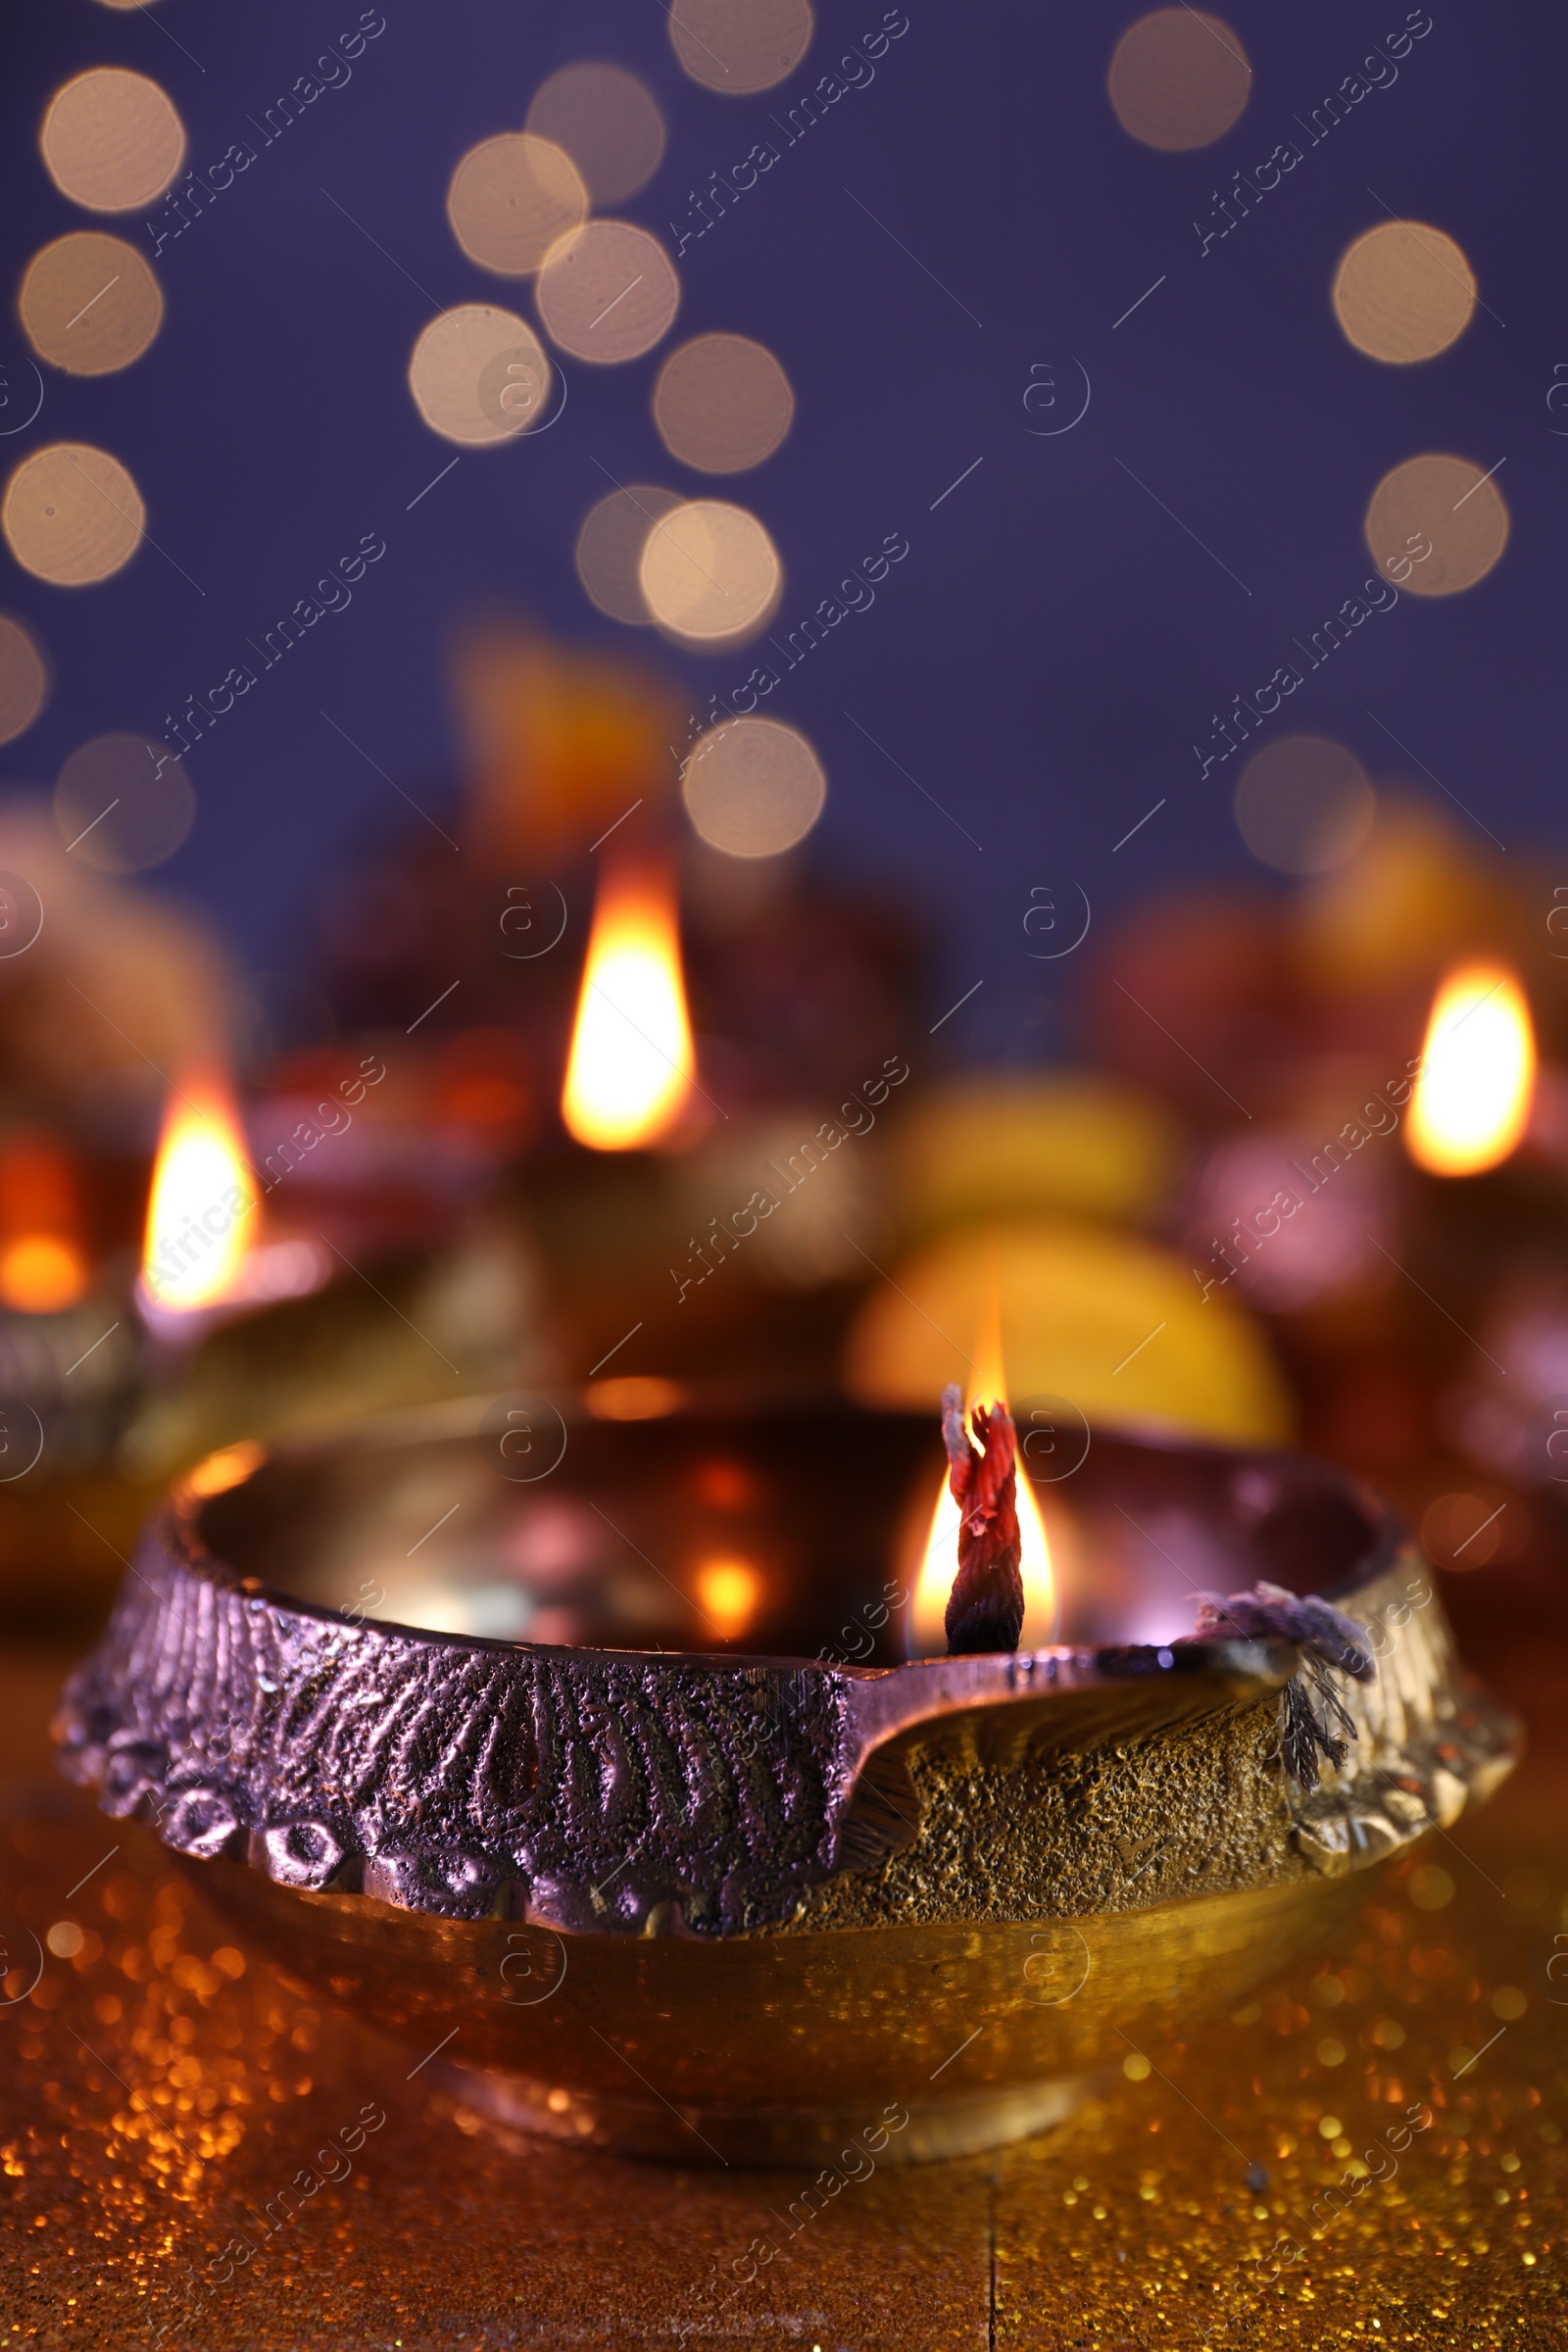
{"x":1054,"y":644}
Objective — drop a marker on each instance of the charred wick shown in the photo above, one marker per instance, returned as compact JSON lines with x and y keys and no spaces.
{"x":985,"y":1608}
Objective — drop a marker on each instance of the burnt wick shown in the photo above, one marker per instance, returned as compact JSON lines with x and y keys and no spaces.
{"x":985,"y":1608}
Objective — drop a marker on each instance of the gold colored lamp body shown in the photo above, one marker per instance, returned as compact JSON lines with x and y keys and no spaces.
{"x":688,"y":1902}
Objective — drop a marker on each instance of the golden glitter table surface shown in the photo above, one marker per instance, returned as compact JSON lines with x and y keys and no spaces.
{"x":197,"y":2154}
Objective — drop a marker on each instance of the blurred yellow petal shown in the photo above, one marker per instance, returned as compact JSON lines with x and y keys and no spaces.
{"x":996,"y":1145}
{"x":1114,"y":1325}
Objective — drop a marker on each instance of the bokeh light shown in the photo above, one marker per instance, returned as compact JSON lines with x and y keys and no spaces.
{"x":608,"y":293}
{"x":1437,"y":525}
{"x":24,"y":677}
{"x":91,"y":303}
{"x":754,"y":786}
{"x":1404,"y":292}
{"x":1178,"y":79}
{"x":1479,"y":1528}
{"x":112,"y":140}
{"x":710,"y":571}
{"x":72,"y":514}
{"x":480,"y":375}
{"x":737,"y":46}
{"x":1303,"y":803}
{"x":124,"y":804}
{"x":633,"y":1397}
{"x":722,"y":404}
{"x":610,"y":549}
{"x":511,"y":197}
{"x":608,"y":123}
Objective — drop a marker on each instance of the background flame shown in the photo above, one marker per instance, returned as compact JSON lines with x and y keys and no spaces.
{"x":729,"y":1593}
{"x":197,"y":1235}
{"x":629,"y":1076}
{"x":939,"y":1563}
{"x":43,"y":1267}
{"x":1477,"y":1073}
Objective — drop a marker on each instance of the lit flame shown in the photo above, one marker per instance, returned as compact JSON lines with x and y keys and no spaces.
{"x":202,"y":1188}
{"x":939,"y":1565}
{"x":728,"y":1593}
{"x":41,"y":1274}
{"x":1477,"y":1073}
{"x":230,"y":1467}
{"x":629,"y":1075}
{"x":43,"y":1268}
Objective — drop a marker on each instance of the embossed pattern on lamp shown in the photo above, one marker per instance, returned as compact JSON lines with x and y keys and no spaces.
{"x":672,"y":1898}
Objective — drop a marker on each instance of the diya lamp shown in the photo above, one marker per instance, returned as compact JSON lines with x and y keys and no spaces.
{"x":217,"y":1264}
{"x":1486,"y":1109}
{"x":203,"y":1262}
{"x":1489,"y":1213}
{"x":65,"y":1363}
{"x":252,"y":1327}
{"x":524,"y":1728}
{"x":626,"y":1883}
{"x":1380,"y":1240}
{"x":606,"y":1205}
{"x":44,"y":1268}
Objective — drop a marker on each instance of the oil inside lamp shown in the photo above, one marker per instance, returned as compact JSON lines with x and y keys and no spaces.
{"x":926,"y":1633}
{"x":628,"y":1079}
{"x":1473,"y":1097}
{"x":43,"y":1267}
{"x":198,"y":1235}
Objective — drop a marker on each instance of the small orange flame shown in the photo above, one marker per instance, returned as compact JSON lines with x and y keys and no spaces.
{"x":43,"y":1268}
{"x":939,"y":1564}
{"x":1477,"y":1073}
{"x":197,"y":1238}
{"x":729,"y":1594}
{"x":230,"y":1467}
{"x":628,"y":1079}
{"x":41,"y":1274}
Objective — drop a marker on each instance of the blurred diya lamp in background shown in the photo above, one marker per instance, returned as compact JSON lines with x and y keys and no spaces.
{"x":1381,"y":1213}
{"x":651,"y":1867}
{"x":255,"y":1330}
{"x":561,"y":743}
{"x":1508,"y":1413}
{"x":1483,"y":1109}
{"x":388,"y":1147}
{"x":44,"y":1266}
{"x":203,"y":1259}
{"x":66,"y":1359}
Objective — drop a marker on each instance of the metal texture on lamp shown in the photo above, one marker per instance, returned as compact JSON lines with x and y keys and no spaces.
{"x":690,"y":1904}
